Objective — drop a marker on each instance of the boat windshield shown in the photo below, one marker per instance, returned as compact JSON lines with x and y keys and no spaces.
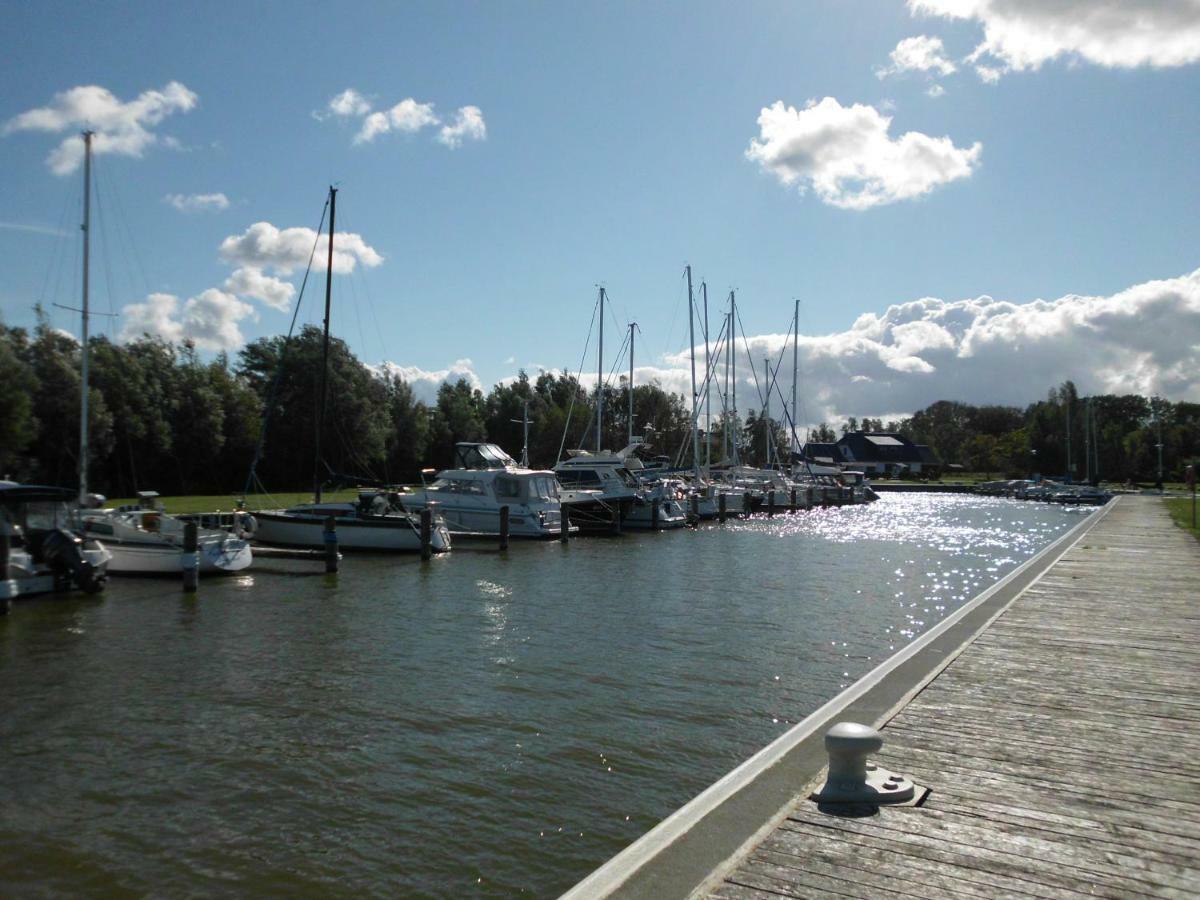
{"x":543,"y":487}
{"x":46,"y":515}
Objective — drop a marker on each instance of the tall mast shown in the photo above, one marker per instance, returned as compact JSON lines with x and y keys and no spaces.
{"x":767,"y":410}
{"x":325,"y":349}
{"x":632,"y":326}
{"x":695,"y":396}
{"x":725,"y":396}
{"x":1069,"y":470}
{"x":733,"y":354}
{"x":794,"y":443}
{"x":1087,"y":440}
{"x":600,"y":376}
{"x":707,"y":376}
{"x":83,"y":346}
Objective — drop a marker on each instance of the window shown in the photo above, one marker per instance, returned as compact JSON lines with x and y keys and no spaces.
{"x":507,"y":487}
{"x":579,"y":478}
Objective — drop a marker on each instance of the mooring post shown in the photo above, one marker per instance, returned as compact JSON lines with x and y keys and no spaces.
{"x":654,"y":515}
{"x":721,"y":504}
{"x":616,"y":522}
{"x":746,"y":505}
{"x":564,"y":531}
{"x":695,"y":508}
{"x":191,"y":558}
{"x":331,"y":545}
{"x":504,"y":527}
{"x":426,"y":533}
{"x":793,"y":504}
{"x":7,"y":588}
{"x":770,"y":504}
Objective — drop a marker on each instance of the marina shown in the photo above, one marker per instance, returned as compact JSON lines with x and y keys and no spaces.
{"x":414,"y":727}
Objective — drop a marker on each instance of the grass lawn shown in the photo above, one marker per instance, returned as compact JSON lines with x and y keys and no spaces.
{"x":226,"y":502}
{"x":1181,"y":512}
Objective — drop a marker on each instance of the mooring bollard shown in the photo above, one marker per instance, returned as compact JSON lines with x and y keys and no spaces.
{"x":503,"y":527}
{"x":721,"y":504}
{"x":793,"y":505}
{"x":564,"y":531}
{"x":191,"y":558}
{"x":331,"y":545}
{"x":770,"y":504}
{"x":695,"y":508}
{"x":7,"y":588}
{"x":426,"y":533}
{"x":654,"y":515}
{"x":616,"y":522}
{"x":746,"y":505}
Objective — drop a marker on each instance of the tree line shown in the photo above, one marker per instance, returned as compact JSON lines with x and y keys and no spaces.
{"x":162,"y":418}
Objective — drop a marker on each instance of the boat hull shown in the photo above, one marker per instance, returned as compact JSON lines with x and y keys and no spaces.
{"x":215,"y":557}
{"x":396,"y":536}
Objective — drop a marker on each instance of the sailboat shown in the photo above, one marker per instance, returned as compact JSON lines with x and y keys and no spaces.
{"x":377,"y":521}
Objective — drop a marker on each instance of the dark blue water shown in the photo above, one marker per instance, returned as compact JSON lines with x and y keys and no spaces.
{"x":481,"y":724}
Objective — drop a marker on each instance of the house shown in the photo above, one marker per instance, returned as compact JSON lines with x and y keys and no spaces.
{"x":876,"y":453}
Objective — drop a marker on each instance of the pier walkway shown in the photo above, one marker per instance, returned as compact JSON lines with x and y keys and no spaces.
{"x":1062,"y":747}
{"x":1056,"y":724}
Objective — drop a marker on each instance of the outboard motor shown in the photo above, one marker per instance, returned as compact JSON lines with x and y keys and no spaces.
{"x":61,"y":550}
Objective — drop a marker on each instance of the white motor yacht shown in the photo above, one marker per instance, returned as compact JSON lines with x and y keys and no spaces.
{"x":470,"y":496}
{"x":378,"y":521}
{"x":610,"y":478}
{"x":144,"y":540}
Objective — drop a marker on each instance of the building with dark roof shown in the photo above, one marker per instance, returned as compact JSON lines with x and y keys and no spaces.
{"x":876,"y":453}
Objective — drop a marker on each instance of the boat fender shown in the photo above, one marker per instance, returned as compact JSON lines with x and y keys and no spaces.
{"x":247,"y":523}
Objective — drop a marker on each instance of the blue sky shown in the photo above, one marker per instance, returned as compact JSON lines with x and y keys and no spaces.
{"x":614,"y":150}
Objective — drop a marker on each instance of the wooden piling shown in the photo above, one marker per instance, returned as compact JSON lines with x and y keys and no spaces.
{"x":792,"y":507}
{"x":770,"y":504}
{"x":426,"y":533}
{"x":191,"y":558}
{"x":654,"y":515}
{"x":695,"y":508}
{"x":504,"y":527}
{"x":5,"y":552}
{"x":331,"y":545}
{"x":616,"y":522}
{"x":721,"y":504}
{"x":746,"y":505}
{"x":564,"y":532}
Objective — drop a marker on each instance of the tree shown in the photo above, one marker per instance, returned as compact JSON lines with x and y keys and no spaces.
{"x":18,"y":426}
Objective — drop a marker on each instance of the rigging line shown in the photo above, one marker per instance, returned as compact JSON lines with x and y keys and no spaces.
{"x":746,"y":345}
{"x":105,"y":244}
{"x":360,"y":273}
{"x":56,"y":250}
{"x":252,"y":476}
{"x":123,"y":219}
{"x":674,"y":314}
{"x":575,"y":393}
{"x":608,"y":379}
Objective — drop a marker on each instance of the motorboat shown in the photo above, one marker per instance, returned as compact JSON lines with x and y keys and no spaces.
{"x":377,"y":521}
{"x":144,"y":540}
{"x":40,"y":549}
{"x":608,"y":478}
{"x":469,"y":497}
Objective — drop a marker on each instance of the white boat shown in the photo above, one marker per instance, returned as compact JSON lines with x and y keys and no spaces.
{"x":377,"y":521}
{"x":606,"y":477}
{"x":42,"y":553}
{"x":144,"y":540}
{"x":469,"y":497}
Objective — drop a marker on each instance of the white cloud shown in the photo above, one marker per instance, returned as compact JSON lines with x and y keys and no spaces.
{"x":1022,"y":35}
{"x":468,"y":125}
{"x":847,"y":156}
{"x":919,"y":54}
{"x":935,"y":91}
{"x":407,"y":116}
{"x":263,"y":246}
{"x":121,"y":128}
{"x":197,"y":202}
{"x":349,"y":103}
{"x":249,"y":281}
{"x":210,"y":319}
{"x":425,"y":382}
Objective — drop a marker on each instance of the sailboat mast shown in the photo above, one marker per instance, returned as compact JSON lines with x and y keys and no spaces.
{"x":767,"y":411}
{"x":632,"y":327}
{"x":325,"y":349}
{"x":600,"y":377}
{"x":1069,"y":467}
{"x":707,"y":377}
{"x":525,"y":438}
{"x":725,"y":396}
{"x":695,"y":396}
{"x":795,"y":441}
{"x":83,"y":345}
{"x":733,"y":353}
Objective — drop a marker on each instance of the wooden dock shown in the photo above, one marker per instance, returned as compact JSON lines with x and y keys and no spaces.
{"x":1061,"y":747}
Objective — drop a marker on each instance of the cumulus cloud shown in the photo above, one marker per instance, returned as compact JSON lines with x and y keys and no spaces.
{"x":848,"y":158}
{"x":249,"y":281}
{"x":349,"y":103}
{"x":468,"y":125}
{"x":210,"y":319}
{"x":407,"y":116}
{"x":923,"y":54}
{"x":197,"y":202}
{"x":263,"y":246}
{"x":425,"y":382}
{"x":1022,"y":35}
{"x":121,"y":128}
{"x":1145,"y":339}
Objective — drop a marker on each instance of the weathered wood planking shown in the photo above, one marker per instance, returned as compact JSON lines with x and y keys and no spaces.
{"x":1062,"y":747}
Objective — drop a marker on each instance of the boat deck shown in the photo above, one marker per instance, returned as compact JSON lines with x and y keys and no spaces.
{"x":1062,"y":747}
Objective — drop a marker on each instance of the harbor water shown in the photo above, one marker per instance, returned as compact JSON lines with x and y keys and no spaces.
{"x":483,"y":724}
